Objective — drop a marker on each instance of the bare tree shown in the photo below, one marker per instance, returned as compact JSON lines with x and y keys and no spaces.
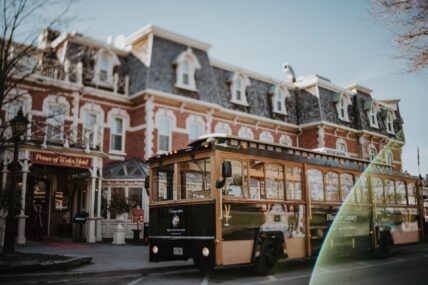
{"x":408,"y":20}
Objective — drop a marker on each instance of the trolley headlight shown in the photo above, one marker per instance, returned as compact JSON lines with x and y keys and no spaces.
{"x":155,"y":249}
{"x":205,"y":251}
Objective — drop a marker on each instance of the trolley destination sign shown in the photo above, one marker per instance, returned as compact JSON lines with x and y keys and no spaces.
{"x":61,"y":160}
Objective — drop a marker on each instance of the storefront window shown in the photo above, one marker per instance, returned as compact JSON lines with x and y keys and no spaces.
{"x":195,"y":179}
{"x":135,"y":196}
{"x":401,"y":192}
{"x":315,"y":182}
{"x":331,"y":186}
{"x":389,"y":192}
{"x":293,"y":180}
{"x":377,"y":190}
{"x":411,"y":193}
{"x":257,"y":181}
{"x":61,"y":201}
{"x":117,"y":193}
{"x":346,"y":184}
{"x":275,"y":181}
{"x":362,"y":189}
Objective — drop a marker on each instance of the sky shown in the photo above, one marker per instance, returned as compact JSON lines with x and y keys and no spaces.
{"x":340,"y":40}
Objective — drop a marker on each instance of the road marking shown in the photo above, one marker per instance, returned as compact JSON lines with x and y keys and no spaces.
{"x":282,"y":279}
{"x":135,"y":281}
{"x":272,"y":278}
{"x":205,"y":280}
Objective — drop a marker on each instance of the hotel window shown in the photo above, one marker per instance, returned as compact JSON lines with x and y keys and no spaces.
{"x":223,"y":128}
{"x":245,"y":132}
{"x":104,"y":66}
{"x":117,"y":134}
{"x":341,"y":145}
{"x":55,"y":122}
{"x":342,"y":106}
{"x":372,"y":114}
{"x":266,"y":137}
{"x":388,"y":157}
{"x":238,"y":87}
{"x":195,"y":130}
{"x":278,"y":100}
{"x":164,"y":134}
{"x":285,"y":140}
{"x":390,"y":123}
{"x":186,"y":64}
{"x":372,"y":153}
{"x":89,"y":127}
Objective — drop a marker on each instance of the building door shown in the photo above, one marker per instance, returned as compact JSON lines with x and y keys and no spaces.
{"x":38,"y":193}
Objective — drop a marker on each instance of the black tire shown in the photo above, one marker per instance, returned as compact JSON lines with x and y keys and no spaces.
{"x":204,"y":264}
{"x":385,"y":246}
{"x":270,"y":251}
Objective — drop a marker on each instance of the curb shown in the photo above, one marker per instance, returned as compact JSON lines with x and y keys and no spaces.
{"x":67,"y":275}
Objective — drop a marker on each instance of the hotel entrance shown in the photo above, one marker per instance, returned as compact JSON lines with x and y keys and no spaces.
{"x":55,"y":193}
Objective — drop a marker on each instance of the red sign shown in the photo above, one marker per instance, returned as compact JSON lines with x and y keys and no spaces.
{"x":61,"y":160}
{"x":137,"y":215}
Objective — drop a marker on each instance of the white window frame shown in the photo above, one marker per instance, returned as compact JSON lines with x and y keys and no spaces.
{"x":122,"y":114}
{"x":122,"y":134}
{"x":189,"y":58}
{"x":372,"y":152}
{"x":195,"y":121}
{"x":286,"y":140}
{"x":341,"y":142}
{"x":342,"y":106}
{"x":279,"y":95}
{"x":234,"y":88}
{"x":99,"y":128}
{"x":389,"y":122}
{"x":223,"y":128}
{"x":389,"y":158}
{"x":266,"y":136}
{"x":246,"y":132}
{"x":112,"y":61}
{"x":56,"y":101}
{"x":372,"y":114}
{"x":160,"y":132}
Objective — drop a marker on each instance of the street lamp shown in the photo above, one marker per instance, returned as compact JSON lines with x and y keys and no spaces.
{"x":19,"y":127}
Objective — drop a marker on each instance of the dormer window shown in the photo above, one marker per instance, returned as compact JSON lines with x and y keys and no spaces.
{"x":278,"y":99}
{"x":342,"y":106}
{"x":105,"y":61}
{"x":238,"y":86}
{"x":186,"y":64}
{"x":372,"y":114}
{"x":390,"y":117}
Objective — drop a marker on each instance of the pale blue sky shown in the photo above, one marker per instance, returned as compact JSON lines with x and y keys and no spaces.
{"x":339,"y":40}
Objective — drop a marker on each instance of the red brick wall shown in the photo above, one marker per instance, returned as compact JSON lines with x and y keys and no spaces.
{"x":309,"y":139}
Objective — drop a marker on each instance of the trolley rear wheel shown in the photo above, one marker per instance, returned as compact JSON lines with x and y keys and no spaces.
{"x":270,"y":252}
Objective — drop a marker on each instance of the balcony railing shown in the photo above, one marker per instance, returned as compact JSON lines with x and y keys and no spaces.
{"x":76,"y":73}
{"x":65,"y":135}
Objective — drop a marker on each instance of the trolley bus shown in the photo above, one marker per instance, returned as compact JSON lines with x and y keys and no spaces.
{"x":225,"y":200}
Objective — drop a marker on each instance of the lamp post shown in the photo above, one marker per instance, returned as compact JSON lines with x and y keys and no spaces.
{"x":19,"y":128}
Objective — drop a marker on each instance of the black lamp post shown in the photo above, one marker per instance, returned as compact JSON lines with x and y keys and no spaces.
{"x":19,"y":128}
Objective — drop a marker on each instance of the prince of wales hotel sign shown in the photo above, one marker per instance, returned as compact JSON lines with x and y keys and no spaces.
{"x":61,"y":160}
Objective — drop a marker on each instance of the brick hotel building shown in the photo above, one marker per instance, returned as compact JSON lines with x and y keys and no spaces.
{"x":97,"y":110}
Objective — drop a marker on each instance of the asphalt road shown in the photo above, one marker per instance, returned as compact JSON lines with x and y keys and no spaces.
{"x":407,"y":265}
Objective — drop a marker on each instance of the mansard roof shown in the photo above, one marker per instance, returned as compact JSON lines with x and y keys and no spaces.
{"x":312,"y":99}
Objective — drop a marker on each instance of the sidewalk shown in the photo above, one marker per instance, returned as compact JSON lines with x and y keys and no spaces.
{"x":107,"y":259}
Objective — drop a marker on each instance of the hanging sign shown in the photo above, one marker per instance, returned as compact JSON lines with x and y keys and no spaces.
{"x":61,"y":160}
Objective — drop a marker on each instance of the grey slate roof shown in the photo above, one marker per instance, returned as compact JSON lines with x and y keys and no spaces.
{"x":213,"y":86}
{"x":133,"y":168}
